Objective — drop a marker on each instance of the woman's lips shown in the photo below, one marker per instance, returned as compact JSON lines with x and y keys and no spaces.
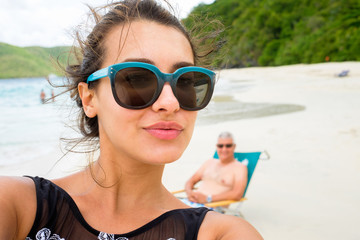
{"x":165,"y":130}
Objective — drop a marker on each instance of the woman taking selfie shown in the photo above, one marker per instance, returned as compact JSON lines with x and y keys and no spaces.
{"x":139,"y":88}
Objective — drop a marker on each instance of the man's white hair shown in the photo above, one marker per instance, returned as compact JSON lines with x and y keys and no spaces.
{"x":226,"y":135}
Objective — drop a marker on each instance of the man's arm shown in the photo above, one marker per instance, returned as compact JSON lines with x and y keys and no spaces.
{"x":189,"y":186}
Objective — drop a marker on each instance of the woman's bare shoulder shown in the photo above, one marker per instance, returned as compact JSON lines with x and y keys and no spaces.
{"x":17,"y":186}
{"x":221,"y":226}
{"x":17,"y":206}
{"x":18,"y":191}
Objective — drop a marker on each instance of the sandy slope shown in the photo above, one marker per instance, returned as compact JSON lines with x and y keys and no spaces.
{"x":310,"y":187}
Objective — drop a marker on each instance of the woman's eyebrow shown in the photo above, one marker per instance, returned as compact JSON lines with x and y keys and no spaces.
{"x":144,"y":60}
{"x":182,"y":64}
{"x":174,"y":67}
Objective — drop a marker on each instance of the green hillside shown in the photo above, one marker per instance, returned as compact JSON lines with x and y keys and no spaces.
{"x":258,"y":33}
{"x":19,"y":62}
{"x":279,"y":32}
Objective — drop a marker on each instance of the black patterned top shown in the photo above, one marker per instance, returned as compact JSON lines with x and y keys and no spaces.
{"x":59,"y":218}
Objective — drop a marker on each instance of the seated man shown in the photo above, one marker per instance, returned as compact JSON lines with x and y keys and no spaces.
{"x":223,"y":179}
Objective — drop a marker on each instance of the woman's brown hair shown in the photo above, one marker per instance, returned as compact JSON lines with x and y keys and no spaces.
{"x":88,"y":53}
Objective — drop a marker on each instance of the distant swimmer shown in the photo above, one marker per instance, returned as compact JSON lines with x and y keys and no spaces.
{"x":42,"y":96}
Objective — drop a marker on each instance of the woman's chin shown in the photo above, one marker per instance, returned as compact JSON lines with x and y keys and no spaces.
{"x":164,"y":157}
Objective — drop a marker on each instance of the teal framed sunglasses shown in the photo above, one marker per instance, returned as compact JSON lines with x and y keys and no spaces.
{"x":137,"y":85}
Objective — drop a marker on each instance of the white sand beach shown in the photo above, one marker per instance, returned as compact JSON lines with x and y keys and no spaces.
{"x":309,"y":189}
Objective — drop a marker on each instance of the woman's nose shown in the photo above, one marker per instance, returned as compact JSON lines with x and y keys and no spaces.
{"x":167,"y":101}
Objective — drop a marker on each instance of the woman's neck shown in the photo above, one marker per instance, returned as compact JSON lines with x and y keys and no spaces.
{"x":139,"y":198}
{"x":121,"y":190}
{"x":126,"y":175}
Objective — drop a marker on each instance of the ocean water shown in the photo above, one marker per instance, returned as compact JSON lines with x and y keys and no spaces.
{"x":30,"y":129}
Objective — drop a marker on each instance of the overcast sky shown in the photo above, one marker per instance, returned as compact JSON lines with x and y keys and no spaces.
{"x":49,"y":23}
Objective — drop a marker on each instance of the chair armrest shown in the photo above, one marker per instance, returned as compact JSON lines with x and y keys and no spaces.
{"x":214,"y":204}
{"x":223,"y":203}
{"x":178,"y":191}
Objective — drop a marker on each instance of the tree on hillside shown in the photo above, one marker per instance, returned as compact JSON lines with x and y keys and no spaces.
{"x":278,"y":32}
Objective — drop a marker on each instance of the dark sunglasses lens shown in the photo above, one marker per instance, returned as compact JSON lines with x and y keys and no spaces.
{"x":135,"y":86}
{"x":226,"y":145}
{"x":193,"y":89}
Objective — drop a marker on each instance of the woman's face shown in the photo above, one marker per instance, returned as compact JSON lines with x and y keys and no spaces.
{"x":160,"y":133}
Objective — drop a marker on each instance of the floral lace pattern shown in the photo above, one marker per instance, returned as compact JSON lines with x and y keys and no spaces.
{"x":106,"y":236}
{"x":45,"y":234}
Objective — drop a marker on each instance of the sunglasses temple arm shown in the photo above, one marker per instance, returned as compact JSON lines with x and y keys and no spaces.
{"x":97,"y":75}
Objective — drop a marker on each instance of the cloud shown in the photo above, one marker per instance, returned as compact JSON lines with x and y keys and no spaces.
{"x":39,"y":22}
{"x":49,"y":22}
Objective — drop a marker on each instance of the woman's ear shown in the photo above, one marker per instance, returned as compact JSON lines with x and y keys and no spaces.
{"x":87,"y":98}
